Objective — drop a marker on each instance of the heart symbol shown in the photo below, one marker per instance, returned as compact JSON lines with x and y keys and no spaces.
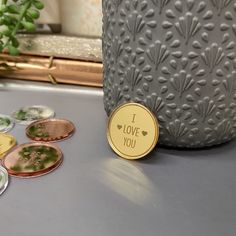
{"x":119,"y":126}
{"x":145,"y":133}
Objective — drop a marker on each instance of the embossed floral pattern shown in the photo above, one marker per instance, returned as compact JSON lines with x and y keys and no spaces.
{"x":177,"y":58}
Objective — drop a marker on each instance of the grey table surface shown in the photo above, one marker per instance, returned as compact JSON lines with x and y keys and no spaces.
{"x":171,"y":193}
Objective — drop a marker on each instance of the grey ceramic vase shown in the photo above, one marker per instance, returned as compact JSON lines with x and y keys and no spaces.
{"x":176,"y":57}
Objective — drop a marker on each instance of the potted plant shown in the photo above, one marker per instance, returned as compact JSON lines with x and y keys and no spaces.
{"x":14,"y":16}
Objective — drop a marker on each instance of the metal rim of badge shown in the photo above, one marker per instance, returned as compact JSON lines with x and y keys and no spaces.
{"x":4,"y":180}
{"x":152,"y":140}
{"x":25,"y":115}
{"x":39,"y":173}
{"x":10,"y":160}
{"x":6,"y":123}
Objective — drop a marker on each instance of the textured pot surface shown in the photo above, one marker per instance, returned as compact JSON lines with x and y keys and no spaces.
{"x":176,"y":57}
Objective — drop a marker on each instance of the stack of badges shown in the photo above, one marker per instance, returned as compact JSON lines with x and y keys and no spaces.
{"x":36,"y":158}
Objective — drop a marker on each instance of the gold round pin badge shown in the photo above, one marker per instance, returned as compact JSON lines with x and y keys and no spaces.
{"x":133,"y":131}
{"x":7,"y":142}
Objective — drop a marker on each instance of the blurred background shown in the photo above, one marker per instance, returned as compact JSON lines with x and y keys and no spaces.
{"x":66,"y":46}
{"x":72,"y":17}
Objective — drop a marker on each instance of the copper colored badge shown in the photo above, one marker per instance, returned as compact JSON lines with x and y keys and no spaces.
{"x":32,"y":160}
{"x":50,"y":130}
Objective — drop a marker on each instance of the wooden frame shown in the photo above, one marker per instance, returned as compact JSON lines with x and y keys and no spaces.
{"x":56,"y":59}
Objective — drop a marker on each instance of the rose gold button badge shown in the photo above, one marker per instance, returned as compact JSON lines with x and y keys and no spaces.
{"x":50,"y":130}
{"x":32,"y":160}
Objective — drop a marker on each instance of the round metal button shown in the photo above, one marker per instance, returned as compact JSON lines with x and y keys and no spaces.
{"x":133,"y":131}
{"x":7,"y":142}
{"x":27,"y":115}
{"x":50,"y":130}
{"x":3,"y":180}
{"x":32,"y":160}
{"x":6,"y":123}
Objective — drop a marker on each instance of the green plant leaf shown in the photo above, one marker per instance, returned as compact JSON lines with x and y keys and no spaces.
{"x":17,"y":15}
{"x":12,"y":9}
{"x":29,"y":26}
{"x":13,"y":50}
{"x":15,"y":42}
{"x":39,"y":5}
{"x":28,"y":18}
{"x":3,"y":8}
{"x":7,"y":33}
{"x":33,"y":13}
